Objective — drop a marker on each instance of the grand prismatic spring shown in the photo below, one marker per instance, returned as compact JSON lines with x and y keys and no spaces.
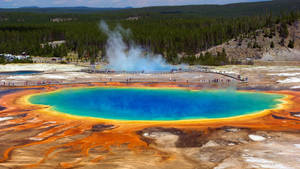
{"x":155,"y":104}
{"x":99,"y":122}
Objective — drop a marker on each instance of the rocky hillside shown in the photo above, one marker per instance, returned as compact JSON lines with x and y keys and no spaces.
{"x":264,"y":45}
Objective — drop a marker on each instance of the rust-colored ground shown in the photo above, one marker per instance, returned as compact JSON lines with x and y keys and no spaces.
{"x":67,"y":141}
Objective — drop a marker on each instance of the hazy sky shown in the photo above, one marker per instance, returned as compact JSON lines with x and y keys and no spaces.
{"x":109,"y":3}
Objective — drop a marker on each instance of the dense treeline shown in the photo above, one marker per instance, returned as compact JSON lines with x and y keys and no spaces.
{"x":18,"y":38}
{"x":166,"y":35}
{"x":191,"y":36}
{"x":207,"y":59}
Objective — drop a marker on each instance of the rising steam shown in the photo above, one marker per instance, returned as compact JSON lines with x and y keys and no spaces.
{"x":123,"y":57}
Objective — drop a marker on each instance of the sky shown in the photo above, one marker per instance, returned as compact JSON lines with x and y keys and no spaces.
{"x":109,"y":3}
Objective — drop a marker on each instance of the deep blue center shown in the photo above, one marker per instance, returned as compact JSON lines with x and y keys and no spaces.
{"x":156,"y":104}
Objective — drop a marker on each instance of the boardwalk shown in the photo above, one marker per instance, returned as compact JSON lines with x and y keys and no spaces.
{"x":202,"y":77}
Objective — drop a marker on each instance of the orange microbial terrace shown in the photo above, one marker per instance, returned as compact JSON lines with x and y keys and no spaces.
{"x":90,"y":140}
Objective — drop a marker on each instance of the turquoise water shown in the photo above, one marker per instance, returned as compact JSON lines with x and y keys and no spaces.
{"x":20,"y":73}
{"x":155,"y":104}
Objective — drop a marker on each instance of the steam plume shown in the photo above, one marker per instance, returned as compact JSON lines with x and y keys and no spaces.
{"x":123,"y":57}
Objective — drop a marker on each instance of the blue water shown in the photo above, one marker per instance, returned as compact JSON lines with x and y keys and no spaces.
{"x":155,"y":104}
{"x":20,"y":73}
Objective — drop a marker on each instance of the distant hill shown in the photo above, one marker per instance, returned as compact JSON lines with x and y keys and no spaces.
{"x":229,"y":10}
{"x":79,"y":9}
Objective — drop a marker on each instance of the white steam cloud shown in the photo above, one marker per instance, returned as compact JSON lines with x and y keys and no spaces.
{"x":123,"y":57}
